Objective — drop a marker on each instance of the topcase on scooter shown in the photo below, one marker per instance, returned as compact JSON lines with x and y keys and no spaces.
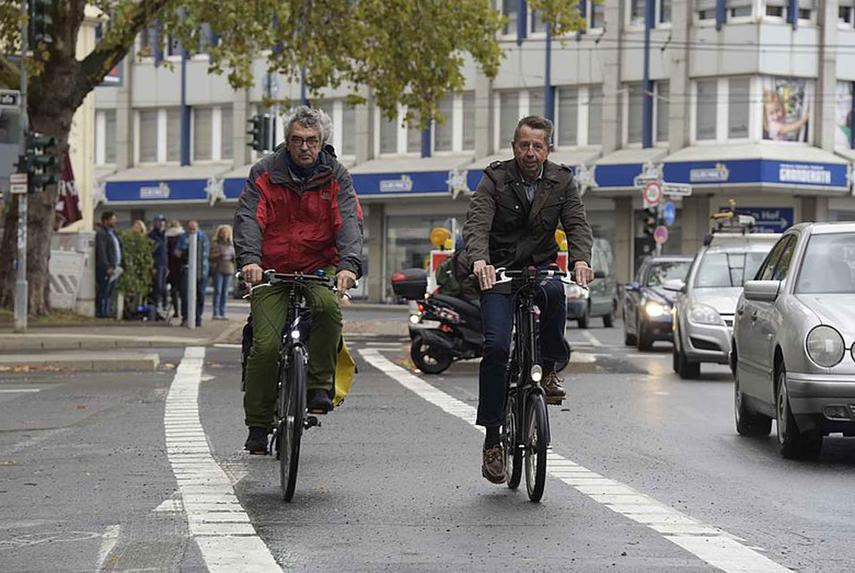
{"x":410,"y":284}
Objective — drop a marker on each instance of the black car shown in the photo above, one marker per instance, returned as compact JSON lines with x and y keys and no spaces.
{"x":647,"y":304}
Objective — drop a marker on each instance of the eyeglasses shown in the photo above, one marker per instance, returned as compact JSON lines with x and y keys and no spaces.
{"x":297,"y":141}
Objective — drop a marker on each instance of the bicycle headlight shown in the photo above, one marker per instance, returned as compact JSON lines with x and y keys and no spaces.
{"x":295,"y":334}
{"x":536,"y":373}
{"x":825,"y":346}
{"x":655,"y":309}
{"x":705,"y":314}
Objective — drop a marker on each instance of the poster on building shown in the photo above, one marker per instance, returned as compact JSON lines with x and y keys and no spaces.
{"x":68,"y":199}
{"x":843,"y":114}
{"x":786,"y":109}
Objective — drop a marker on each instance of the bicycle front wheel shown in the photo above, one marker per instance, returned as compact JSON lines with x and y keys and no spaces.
{"x":511,"y":443}
{"x":536,"y":443}
{"x":294,"y":394}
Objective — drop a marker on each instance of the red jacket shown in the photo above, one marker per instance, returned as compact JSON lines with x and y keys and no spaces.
{"x":291,"y":225}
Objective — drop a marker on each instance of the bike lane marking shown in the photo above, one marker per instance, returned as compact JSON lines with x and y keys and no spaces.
{"x":216,"y":520}
{"x":707,"y":542}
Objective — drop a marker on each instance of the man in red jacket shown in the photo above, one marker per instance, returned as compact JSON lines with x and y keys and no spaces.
{"x":298,"y":212}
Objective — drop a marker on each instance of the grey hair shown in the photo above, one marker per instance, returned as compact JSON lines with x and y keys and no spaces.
{"x":309,"y":117}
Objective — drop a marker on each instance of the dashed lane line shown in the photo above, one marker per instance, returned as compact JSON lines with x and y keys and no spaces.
{"x":216,"y":520}
{"x":591,"y":338}
{"x":711,"y":544}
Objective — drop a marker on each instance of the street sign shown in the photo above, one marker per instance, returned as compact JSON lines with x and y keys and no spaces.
{"x":669,"y":213}
{"x":652,"y":194}
{"x":677,"y":189}
{"x":10,"y":99}
{"x":660,"y":235}
{"x":18,"y":183}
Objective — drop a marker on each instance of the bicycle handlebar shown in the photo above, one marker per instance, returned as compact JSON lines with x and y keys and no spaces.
{"x":504,"y":275}
{"x":272,"y":278}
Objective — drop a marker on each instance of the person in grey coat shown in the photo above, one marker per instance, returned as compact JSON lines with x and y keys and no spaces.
{"x":108,"y":259}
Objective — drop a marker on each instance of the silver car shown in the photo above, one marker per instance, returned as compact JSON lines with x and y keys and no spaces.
{"x":703,"y":312}
{"x":794,"y":340}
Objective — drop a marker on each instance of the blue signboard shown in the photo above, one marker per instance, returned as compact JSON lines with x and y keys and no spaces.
{"x":419,"y":183}
{"x":769,"y":219}
{"x":669,"y":213}
{"x":157,"y":191}
{"x":757,"y":171}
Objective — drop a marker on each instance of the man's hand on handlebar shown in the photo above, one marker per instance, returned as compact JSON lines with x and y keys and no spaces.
{"x":486,"y":274}
{"x":583,"y":274}
{"x":344,"y":281}
{"x":252,"y":273}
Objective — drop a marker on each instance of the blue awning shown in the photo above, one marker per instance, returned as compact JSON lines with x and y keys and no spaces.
{"x":571,"y":157}
{"x":165,"y":184}
{"x":409,"y":177}
{"x":770,"y":166}
{"x":617,"y":171}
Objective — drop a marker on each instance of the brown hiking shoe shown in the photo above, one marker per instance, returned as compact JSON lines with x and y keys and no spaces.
{"x":493,"y":465}
{"x":554,"y":390}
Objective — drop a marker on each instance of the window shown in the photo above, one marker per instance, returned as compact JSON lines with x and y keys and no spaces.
{"x":596,"y":15}
{"x":636,"y":12}
{"x":786,"y":258}
{"x":595,"y":115}
{"x":148,"y":42}
{"x":348,"y":130}
{"x":786,"y":109}
{"x":665,"y":11}
{"x":537,"y":23}
{"x":828,"y":265}
{"x":536,"y":103}
{"x":775,"y":8}
{"x":226,"y":132}
{"x":843,"y":115}
{"x":469,"y":120}
{"x":844,"y":12}
{"x":147,"y":135}
{"x":739,"y":106}
{"x":567,"y":117}
{"x":705,"y":114}
{"x":105,"y":136}
{"x":768,"y":267}
{"x":202,"y":131}
{"x":414,"y":137}
{"x":509,"y":9}
{"x":173,"y":134}
{"x":705,"y":9}
{"x":635,"y":119}
{"x":443,"y":133}
{"x":173,"y":47}
{"x":663,"y":93}
{"x":509,"y":115}
{"x":739,"y":8}
{"x":206,"y":39}
{"x":388,"y":134}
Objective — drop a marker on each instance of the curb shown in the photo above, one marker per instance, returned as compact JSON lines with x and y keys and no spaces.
{"x":112,"y":363}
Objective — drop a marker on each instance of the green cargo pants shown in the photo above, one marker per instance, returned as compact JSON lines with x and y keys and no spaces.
{"x":269,"y":307}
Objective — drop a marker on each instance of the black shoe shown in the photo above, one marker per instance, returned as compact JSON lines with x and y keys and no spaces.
{"x":256,"y":443}
{"x":318,"y":401}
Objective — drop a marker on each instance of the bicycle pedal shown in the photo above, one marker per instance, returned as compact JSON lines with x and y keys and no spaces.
{"x":311,"y":421}
{"x":554,"y":401}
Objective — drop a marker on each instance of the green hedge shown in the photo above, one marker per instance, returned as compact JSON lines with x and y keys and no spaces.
{"x":138,"y":263}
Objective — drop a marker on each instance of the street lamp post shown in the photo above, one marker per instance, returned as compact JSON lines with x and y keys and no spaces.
{"x":21,"y":287}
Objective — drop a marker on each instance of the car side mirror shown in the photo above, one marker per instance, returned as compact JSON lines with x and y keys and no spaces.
{"x":673,"y":285}
{"x":599,"y":275}
{"x":633,"y":286}
{"x":762,"y":291}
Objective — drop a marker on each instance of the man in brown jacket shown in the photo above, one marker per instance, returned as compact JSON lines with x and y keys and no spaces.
{"x":511,"y":223}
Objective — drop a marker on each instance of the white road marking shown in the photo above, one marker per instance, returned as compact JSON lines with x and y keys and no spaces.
{"x":711,"y":544}
{"x":591,"y":338}
{"x":18,"y":390}
{"x":227,"y":539}
{"x":225,"y":345}
{"x":111,"y":536}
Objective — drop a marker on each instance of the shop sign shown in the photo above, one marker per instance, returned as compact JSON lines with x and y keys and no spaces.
{"x":769,"y":220}
{"x":718,"y":174}
{"x":801,"y":173}
{"x":160,"y":192}
{"x":402,"y":185}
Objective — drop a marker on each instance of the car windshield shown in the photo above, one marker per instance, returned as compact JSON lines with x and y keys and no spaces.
{"x":828,"y":265}
{"x":660,"y":273}
{"x":728,"y":269}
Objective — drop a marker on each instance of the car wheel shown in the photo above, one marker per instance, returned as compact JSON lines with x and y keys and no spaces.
{"x":748,"y":423}
{"x":687,"y":369}
{"x":628,"y":339}
{"x":792,"y":443}
{"x":643,"y":340}
{"x":609,"y":319}
{"x":585,"y":320}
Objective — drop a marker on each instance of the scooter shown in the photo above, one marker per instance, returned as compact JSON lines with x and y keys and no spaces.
{"x":444,"y":329}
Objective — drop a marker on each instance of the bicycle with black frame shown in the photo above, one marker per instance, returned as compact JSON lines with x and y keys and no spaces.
{"x":525,"y":436}
{"x":291,"y":417}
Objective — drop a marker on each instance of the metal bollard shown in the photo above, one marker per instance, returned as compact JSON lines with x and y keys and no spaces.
{"x":191,"y":281}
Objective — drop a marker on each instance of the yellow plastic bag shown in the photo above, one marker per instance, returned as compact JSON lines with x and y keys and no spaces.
{"x":345,"y":370}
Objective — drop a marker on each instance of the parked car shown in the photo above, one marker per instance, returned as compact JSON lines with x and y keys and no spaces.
{"x":647,"y":302}
{"x":601,"y":298}
{"x":704,"y":309}
{"x":793,"y":353}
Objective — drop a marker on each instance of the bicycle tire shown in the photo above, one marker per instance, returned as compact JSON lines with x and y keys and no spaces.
{"x":536,"y":443}
{"x":294,"y":393}
{"x":511,"y":443}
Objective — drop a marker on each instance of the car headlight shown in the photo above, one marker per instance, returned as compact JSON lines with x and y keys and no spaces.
{"x":705,"y":314}
{"x":655,"y":309}
{"x":825,"y":346}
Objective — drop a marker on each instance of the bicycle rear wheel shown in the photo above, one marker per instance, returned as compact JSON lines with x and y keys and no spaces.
{"x":536,"y":442}
{"x":511,"y":443}
{"x":293,"y":392}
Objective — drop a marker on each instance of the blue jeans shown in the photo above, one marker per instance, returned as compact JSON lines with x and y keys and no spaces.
{"x":497,"y":318}
{"x":221,"y":292}
{"x":200,"y":296}
{"x":158,"y":292}
{"x":104,"y":290}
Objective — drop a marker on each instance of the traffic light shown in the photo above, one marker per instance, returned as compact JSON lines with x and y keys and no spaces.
{"x":40,"y":23}
{"x":39,"y":161}
{"x":262,"y":132}
{"x":649,"y":220}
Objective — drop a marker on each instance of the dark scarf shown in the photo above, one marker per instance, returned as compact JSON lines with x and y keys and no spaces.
{"x":303,"y":173}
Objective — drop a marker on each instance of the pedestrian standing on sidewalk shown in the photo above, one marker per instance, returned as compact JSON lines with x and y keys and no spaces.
{"x":203,"y":249}
{"x":161,"y":261}
{"x":138,"y":226}
{"x":173,"y":233}
{"x":108,"y":258}
{"x":222,"y":268}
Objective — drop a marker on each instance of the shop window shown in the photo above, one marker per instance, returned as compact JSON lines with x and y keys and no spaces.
{"x":202,"y":133}
{"x":469,"y":120}
{"x":147,"y":135}
{"x":226,"y":132}
{"x":843,"y":115}
{"x":786,"y":109}
{"x":173,"y":134}
{"x":595,"y":115}
{"x":739,"y":104}
{"x":706,"y":108}
{"x":663,"y":93}
{"x":568,"y":116}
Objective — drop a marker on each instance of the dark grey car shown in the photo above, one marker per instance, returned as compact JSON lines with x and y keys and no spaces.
{"x":647,"y":303}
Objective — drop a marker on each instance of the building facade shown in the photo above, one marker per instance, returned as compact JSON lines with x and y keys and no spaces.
{"x":746,"y":100}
